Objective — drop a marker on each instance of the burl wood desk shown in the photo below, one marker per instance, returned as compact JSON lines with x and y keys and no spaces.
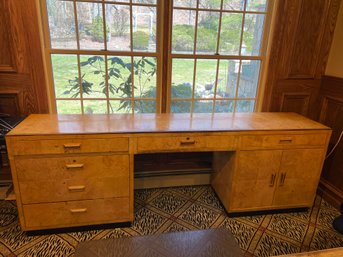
{"x":76,"y":170}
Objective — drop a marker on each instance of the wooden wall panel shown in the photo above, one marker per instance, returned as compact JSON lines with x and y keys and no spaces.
{"x":23,"y":62}
{"x":331,"y":114}
{"x":300,"y":45}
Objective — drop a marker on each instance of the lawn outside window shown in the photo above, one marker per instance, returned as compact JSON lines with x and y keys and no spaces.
{"x":128,"y":56}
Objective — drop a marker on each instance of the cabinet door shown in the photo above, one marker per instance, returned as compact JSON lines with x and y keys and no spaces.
{"x":298,"y":178}
{"x":254,"y":180}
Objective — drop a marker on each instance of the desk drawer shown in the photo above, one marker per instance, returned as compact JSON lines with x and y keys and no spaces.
{"x":76,"y":213}
{"x":69,"y":145}
{"x":282,"y":141}
{"x":72,"y":167}
{"x":185,"y":143}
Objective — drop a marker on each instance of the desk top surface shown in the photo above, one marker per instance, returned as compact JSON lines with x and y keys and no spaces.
{"x":52,"y":124}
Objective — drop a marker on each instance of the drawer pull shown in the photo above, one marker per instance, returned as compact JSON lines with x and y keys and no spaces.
{"x":80,"y":210}
{"x":75,"y":166}
{"x":72,"y":146}
{"x":187,"y":142}
{"x":272,"y":180}
{"x":286,"y":140}
{"x":282,"y":179}
{"x":77,"y":188}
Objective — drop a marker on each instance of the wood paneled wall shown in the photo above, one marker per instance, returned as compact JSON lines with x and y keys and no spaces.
{"x":331,"y":114}
{"x":22,"y":82}
{"x":300,"y":47}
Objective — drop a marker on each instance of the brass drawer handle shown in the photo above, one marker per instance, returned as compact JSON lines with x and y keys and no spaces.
{"x":77,"y":188}
{"x":282,"y":179}
{"x":188,"y":141}
{"x":80,"y":210}
{"x":286,"y":140}
{"x":272,"y":180}
{"x":75,"y":166}
{"x":72,"y":146}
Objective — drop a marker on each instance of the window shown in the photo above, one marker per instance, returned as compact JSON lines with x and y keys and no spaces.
{"x":124,"y":56}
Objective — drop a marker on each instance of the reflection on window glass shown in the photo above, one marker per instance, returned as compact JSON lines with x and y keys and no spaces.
{"x":145,"y":106}
{"x":203,"y":106}
{"x":181,"y":106}
{"x":224,"y":106}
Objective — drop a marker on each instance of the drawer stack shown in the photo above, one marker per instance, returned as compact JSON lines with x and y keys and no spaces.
{"x":72,"y":181}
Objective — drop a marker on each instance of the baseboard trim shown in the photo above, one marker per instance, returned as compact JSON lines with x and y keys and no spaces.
{"x":330,"y":193}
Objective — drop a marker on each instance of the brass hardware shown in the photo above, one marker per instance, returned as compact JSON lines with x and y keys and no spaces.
{"x":72,"y":146}
{"x":187,"y":142}
{"x":272,"y":180}
{"x":75,"y":166}
{"x":286,"y":140}
{"x":282,"y":179}
{"x":80,"y":210}
{"x":77,"y":188}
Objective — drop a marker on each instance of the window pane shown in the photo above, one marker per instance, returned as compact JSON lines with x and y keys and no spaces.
{"x":227,"y":78}
{"x":183,"y":31}
{"x":230,"y":35}
{"x":248,"y":80}
{"x":118,"y":22}
{"x":182,"y":78}
{"x":120,"y":106}
{"x":61,"y":24}
{"x":145,"y":77}
{"x":203,"y":106}
{"x":245,"y":106}
{"x":144,"y":1}
{"x":205,"y":78}
{"x":144,"y":28}
{"x":252,"y":35}
{"x":209,"y":4}
{"x":256,"y":5}
{"x":236,"y":5}
{"x":224,"y":106}
{"x":182,"y":106}
{"x":207,"y":34}
{"x":68,"y":106}
{"x":119,"y":76}
{"x":118,"y":1}
{"x":95,"y":106}
{"x":66,"y":76}
{"x":93,"y":76}
{"x":145,"y":106}
{"x":185,"y":3}
{"x":91,"y":25}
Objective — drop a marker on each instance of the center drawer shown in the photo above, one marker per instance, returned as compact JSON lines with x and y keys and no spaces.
{"x":185,"y":143}
{"x":76,"y":213}
{"x":72,"y":178}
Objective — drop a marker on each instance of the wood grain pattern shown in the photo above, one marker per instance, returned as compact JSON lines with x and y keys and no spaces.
{"x":299,"y":53}
{"x":77,"y":147}
{"x":21,"y":47}
{"x":331,"y":114}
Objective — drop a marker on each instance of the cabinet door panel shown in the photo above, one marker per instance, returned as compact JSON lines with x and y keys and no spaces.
{"x":254,"y":185}
{"x":298,"y":178}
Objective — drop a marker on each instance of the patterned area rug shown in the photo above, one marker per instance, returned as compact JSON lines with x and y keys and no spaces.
{"x":181,"y":209}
